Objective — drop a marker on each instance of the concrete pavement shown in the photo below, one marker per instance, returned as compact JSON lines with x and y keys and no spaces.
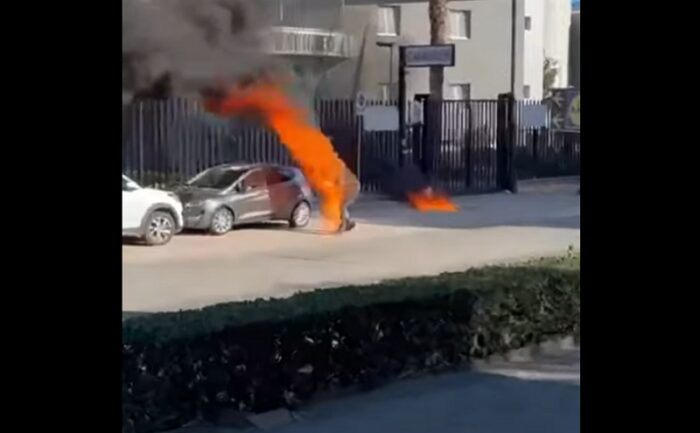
{"x":391,"y":240}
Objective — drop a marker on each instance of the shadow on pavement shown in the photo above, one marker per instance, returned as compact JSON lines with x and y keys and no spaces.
{"x":451,"y":403}
{"x":458,"y":402}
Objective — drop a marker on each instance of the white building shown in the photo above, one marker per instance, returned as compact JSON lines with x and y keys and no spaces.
{"x":546,"y":27}
{"x":556,"y":37}
{"x":533,"y":46}
{"x":500,"y":46}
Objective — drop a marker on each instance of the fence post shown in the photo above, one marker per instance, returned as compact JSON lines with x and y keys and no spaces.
{"x":140,"y":138}
{"x":505,"y":145}
{"x":430,"y":132}
{"x":468,"y":146}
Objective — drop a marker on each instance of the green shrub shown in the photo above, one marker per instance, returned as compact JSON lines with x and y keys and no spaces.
{"x":265,"y":354}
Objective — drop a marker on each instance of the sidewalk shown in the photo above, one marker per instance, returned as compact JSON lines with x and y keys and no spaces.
{"x":541,"y":185}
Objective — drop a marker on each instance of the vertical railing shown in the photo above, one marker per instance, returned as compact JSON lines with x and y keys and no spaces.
{"x":540,"y":150}
{"x":166,"y":142}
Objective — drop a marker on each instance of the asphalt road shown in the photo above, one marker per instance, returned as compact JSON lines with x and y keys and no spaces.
{"x":539,"y":396}
{"x":391,"y":240}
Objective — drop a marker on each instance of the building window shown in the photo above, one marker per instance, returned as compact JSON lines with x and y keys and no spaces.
{"x":459,"y":92}
{"x":388,"y":91}
{"x":388,"y":20}
{"x":460,"y":24}
{"x":528,"y":23}
{"x":526,"y":91}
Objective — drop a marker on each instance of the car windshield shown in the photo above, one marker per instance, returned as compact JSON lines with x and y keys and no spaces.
{"x":217,"y":178}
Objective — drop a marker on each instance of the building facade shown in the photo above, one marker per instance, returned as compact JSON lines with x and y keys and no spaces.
{"x":557,"y":21}
{"x":340,"y":48}
{"x":500,"y":47}
{"x":534,"y":30}
{"x":480,"y":29}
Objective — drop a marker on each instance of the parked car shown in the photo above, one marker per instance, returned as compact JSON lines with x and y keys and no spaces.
{"x":149,"y":214}
{"x":221,"y":197}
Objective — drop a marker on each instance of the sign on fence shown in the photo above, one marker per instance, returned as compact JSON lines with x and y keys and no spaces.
{"x":565,"y":105}
{"x":360,"y":103}
{"x":534,"y":116}
{"x":381,"y":118}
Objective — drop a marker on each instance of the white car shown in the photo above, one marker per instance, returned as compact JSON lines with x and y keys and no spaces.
{"x":149,"y":214}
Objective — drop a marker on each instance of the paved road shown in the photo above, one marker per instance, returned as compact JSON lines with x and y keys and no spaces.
{"x":391,"y":240}
{"x":540,"y":396}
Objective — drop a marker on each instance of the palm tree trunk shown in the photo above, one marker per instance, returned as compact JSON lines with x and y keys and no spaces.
{"x":437,"y":12}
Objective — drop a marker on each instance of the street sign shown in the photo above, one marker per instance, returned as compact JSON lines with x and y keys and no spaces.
{"x":360,"y":103}
{"x":565,"y":107}
{"x":416,"y":56}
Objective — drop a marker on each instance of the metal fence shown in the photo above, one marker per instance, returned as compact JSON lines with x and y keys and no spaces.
{"x":457,"y":144}
{"x":542,"y":151}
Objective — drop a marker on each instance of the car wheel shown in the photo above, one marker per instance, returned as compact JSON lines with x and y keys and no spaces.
{"x":160,"y":228}
{"x":301,"y":215}
{"x":221,"y":222}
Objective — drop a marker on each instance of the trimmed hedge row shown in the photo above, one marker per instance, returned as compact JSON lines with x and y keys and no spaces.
{"x":262,"y":355}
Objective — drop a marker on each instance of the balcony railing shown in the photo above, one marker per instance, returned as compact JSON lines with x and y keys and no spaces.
{"x":308,"y":42}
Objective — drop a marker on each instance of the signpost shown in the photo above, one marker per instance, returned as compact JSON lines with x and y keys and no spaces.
{"x":565,"y":107}
{"x":418,"y":56}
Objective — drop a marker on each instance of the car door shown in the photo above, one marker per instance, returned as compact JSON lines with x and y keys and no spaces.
{"x":253,"y":201}
{"x":283,"y":193}
{"x":134,"y":205}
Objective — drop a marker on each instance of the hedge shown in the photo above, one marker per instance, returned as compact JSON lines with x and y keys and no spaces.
{"x":266,"y":354}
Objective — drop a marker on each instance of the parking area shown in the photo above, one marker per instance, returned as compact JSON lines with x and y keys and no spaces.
{"x":391,"y":240}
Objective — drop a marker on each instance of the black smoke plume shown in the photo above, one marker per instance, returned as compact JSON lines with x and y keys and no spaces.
{"x":179,"y":47}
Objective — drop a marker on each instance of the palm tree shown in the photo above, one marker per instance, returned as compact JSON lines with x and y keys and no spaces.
{"x":437,"y":12}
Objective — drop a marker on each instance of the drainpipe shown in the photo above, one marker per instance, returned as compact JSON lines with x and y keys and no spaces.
{"x":513,"y":15}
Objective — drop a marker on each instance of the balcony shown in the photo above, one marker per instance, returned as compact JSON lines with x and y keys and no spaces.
{"x":310,"y":42}
{"x":315,"y":14}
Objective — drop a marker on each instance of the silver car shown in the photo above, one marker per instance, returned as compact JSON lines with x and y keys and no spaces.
{"x":221,"y":197}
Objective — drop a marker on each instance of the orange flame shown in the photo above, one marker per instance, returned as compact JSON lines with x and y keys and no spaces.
{"x":427,"y":200}
{"x":312,"y":151}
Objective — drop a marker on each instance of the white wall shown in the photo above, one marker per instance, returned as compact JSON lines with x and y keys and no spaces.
{"x":483,"y":61}
{"x":556,"y":36}
{"x":533,"y":60}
